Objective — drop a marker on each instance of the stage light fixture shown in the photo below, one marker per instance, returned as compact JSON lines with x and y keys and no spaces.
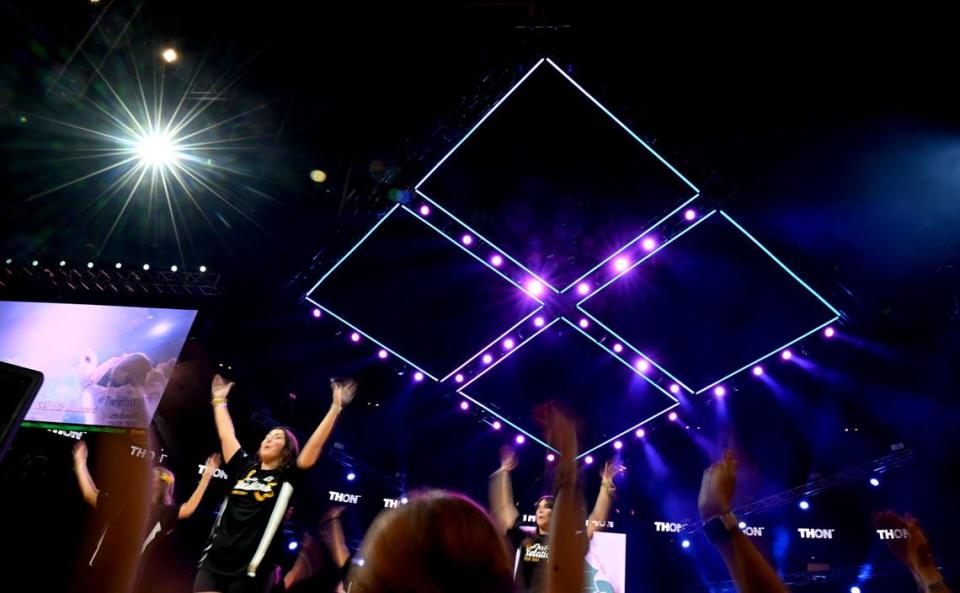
{"x":685,"y":544}
{"x":351,"y":476}
{"x":804,"y":505}
{"x":382,"y":354}
{"x":583,"y":288}
{"x":464,"y":406}
{"x":169,"y":55}
{"x":618,"y":348}
{"x":520,"y":439}
{"x":318,"y":176}
{"x":487,"y":359}
{"x":641,"y":433}
{"x":674,"y":388}
{"x":584,"y":323}
{"x":672,"y":417}
{"x":690,"y":214}
{"x":508,"y":343}
{"x":418,"y":376}
{"x":156,"y":149}
{"x":174,"y":268}
{"x":355,"y":337}
{"x":618,"y":445}
{"x":786,"y":355}
{"x":146,"y":267}
{"x":496,"y":425}
{"x":539,"y":321}
{"x":458,"y":378}
{"x":719,"y":391}
{"x":424,"y":210}
{"x":588,"y":459}
{"x":316,"y":312}
{"x":649,"y":244}
{"x":467,"y":239}
{"x":621,"y":264}
{"x":829,"y":332}
{"x":642,"y":365}
{"x":757,"y":371}
{"x":496,"y":260}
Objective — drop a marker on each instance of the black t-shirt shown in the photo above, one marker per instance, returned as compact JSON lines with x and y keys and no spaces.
{"x":151,"y":571}
{"x":160,"y":522}
{"x":243,"y":521}
{"x":533,"y":552}
{"x":533,"y":549}
{"x":113,"y":513}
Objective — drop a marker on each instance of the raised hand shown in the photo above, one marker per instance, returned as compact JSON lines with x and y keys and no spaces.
{"x":343,"y":391}
{"x":610,"y":471}
{"x":717,"y":487}
{"x":560,"y":430}
{"x":220,"y":388}
{"x":80,"y":453}
{"x":213,"y":462}
{"x":508,"y":459}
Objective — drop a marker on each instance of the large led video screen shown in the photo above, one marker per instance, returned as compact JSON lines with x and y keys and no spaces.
{"x":102,"y":365}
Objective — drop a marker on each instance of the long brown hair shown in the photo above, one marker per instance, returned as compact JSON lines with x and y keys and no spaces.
{"x":291,"y":447}
{"x":439,"y":542}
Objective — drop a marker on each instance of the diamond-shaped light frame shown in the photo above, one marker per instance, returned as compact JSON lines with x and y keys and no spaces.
{"x":392,"y":350}
{"x":738,"y":227}
{"x":555,"y":300}
{"x":617,"y":121}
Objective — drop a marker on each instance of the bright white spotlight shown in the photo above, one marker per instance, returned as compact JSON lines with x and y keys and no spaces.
{"x":169,"y":55}
{"x":157,"y":149}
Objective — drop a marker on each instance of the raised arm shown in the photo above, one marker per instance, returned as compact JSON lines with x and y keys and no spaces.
{"x":914,"y":551}
{"x":749,"y":569}
{"x":601,"y":510}
{"x":501,"y":491}
{"x":567,"y":549}
{"x":87,"y":487}
{"x":921,"y":561}
{"x":220,"y":391}
{"x":343,"y":392}
{"x":188,"y":508}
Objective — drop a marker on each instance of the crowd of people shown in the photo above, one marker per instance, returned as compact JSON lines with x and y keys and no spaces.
{"x":440,"y":541}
